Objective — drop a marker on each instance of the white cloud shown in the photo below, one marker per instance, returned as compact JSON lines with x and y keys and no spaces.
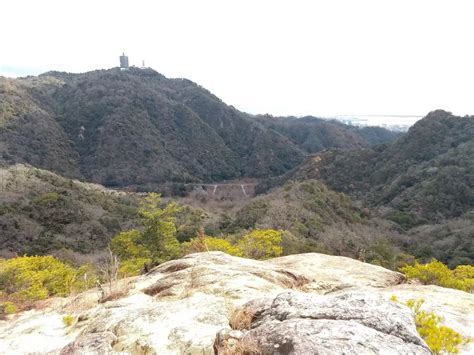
{"x":282,"y":57}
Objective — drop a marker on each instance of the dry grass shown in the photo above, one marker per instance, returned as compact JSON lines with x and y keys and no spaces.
{"x":113,"y":288}
{"x":176,"y":265}
{"x":112,"y":296}
{"x":158,"y":288}
{"x":246,"y":347}
{"x":292,"y":280}
{"x":283,"y":278}
{"x":232,"y":346}
{"x":240,"y":319}
{"x":81,"y":302}
{"x":114,"y":291}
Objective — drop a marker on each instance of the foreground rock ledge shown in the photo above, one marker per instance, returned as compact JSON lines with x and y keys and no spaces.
{"x":300,"y":303}
{"x":346,"y":323}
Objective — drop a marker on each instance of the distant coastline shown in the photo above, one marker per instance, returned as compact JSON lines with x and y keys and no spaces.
{"x":393,"y":122}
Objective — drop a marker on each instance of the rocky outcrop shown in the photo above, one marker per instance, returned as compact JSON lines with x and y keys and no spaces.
{"x":346,"y":323}
{"x":180,"y":306}
{"x":456,"y":307}
{"x":328,"y":273}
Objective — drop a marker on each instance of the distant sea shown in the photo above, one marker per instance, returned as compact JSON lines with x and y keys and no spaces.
{"x":392,"y":122}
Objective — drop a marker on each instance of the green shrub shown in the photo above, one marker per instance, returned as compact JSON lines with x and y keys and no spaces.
{"x":158,"y":240}
{"x":403,"y":219}
{"x":27,"y":279}
{"x":197,"y":244}
{"x":381,"y":252}
{"x":68,"y":320}
{"x":36,"y":277}
{"x":7,"y":308}
{"x":128,"y":245}
{"x":437,"y":273}
{"x":464,"y":272}
{"x":132,"y":267}
{"x":261,"y":244}
{"x":439,"y":338}
{"x":47,"y":199}
{"x":294,"y":245}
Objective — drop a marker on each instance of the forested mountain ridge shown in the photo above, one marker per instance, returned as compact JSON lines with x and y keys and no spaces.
{"x":423,"y":182}
{"x":314,"y":134}
{"x":28,"y":130}
{"x":428,"y":174}
{"x":137,"y":127}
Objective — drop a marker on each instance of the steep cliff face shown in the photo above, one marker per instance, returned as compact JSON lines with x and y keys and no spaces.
{"x":194,"y":305}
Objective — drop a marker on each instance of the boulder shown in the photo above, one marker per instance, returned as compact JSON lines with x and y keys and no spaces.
{"x":93,"y":343}
{"x":329,"y":273}
{"x":346,"y":323}
{"x":454,"y":306}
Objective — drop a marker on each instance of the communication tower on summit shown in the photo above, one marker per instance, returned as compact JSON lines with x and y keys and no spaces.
{"x":123,"y":62}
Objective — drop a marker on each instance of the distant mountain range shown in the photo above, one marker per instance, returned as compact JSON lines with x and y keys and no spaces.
{"x":423,"y":182}
{"x":136,"y":127}
{"x":428,"y":172}
{"x":312,"y":134}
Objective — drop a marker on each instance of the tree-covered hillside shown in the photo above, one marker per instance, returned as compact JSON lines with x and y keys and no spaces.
{"x":423,"y":182}
{"x":315,"y":218}
{"x":314,"y":134}
{"x":41,"y":212}
{"x":427,"y":174}
{"x":137,"y":127}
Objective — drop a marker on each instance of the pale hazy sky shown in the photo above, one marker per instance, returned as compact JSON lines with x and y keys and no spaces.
{"x":282,"y":57}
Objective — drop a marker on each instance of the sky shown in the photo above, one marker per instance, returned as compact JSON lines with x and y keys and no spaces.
{"x":322,"y":58}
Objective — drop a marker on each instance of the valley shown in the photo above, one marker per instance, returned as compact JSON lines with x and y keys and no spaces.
{"x":140,"y":132}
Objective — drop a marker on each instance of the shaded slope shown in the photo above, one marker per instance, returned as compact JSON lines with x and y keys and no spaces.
{"x":41,"y":212}
{"x":139,"y":128}
{"x":304,"y":208}
{"x":128,"y":132}
{"x":135,"y":127}
{"x":28,"y":130}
